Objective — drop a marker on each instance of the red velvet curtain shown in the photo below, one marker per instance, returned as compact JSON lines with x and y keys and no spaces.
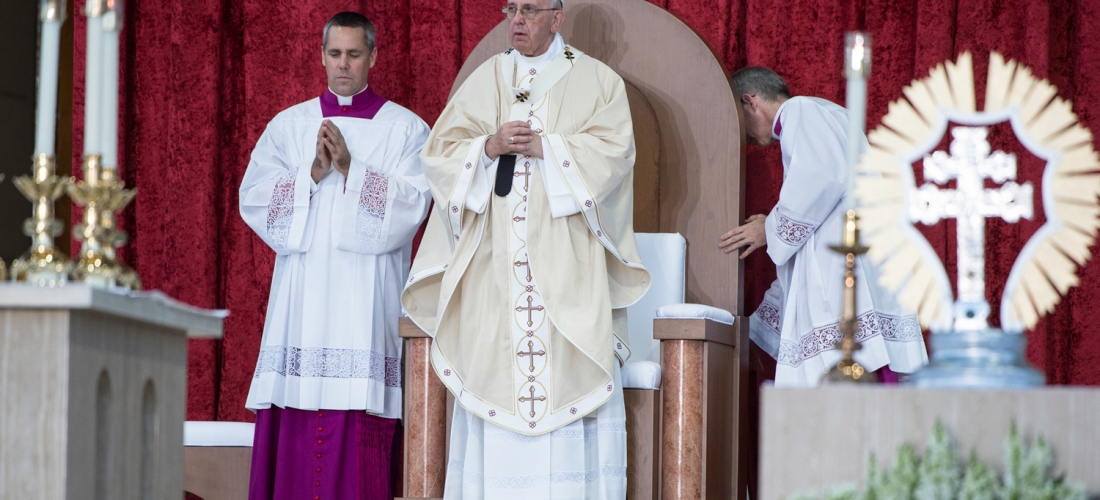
{"x":201,"y":78}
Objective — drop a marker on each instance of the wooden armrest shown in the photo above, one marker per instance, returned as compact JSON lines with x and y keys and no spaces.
{"x":406,"y":329}
{"x":698,"y":329}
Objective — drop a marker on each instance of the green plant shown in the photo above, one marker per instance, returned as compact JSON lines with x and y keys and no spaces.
{"x":939,"y":477}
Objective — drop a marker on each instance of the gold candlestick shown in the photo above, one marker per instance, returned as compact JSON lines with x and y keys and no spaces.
{"x":848,"y":370}
{"x":102,"y":195}
{"x":42,"y":264}
{"x":90,"y":193}
{"x":116,"y":238}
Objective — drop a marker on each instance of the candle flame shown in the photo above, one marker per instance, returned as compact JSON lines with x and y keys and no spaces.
{"x":857,"y":54}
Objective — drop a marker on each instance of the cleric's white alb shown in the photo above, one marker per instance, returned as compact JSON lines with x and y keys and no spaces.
{"x":797,"y":321}
{"x":343,"y":252}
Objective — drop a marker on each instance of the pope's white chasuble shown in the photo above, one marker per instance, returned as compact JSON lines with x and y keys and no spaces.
{"x":556,"y":427}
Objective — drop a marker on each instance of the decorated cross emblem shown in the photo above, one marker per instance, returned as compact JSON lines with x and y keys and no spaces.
{"x":526,"y":264}
{"x":969,"y":164}
{"x":530,"y":353}
{"x":526,"y":175}
{"x":530,"y":310}
{"x":532,"y":400}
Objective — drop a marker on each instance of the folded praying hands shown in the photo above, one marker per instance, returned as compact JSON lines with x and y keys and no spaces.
{"x":332,"y":152}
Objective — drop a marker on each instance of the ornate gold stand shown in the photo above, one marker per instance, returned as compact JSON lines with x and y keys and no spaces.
{"x":42,"y":264}
{"x":848,"y":370}
{"x":125,"y":275}
{"x":102,"y":195}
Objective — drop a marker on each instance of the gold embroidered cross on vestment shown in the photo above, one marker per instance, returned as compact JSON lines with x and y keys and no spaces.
{"x":530,"y":310}
{"x":530,"y":353}
{"x":526,"y":175}
{"x":532,"y":400}
{"x":524,"y":263}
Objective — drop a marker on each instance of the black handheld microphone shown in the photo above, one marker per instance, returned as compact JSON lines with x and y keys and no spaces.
{"x":506,"y":169}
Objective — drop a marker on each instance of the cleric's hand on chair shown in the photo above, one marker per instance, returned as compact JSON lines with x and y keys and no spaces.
{"x":749,"y":236}
{"x":514,"y":138}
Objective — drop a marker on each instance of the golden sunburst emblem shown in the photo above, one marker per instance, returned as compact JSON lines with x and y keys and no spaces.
{"x":891,"y":202}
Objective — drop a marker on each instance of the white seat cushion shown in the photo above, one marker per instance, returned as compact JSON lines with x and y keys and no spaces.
{"x":200,"y":433}
{"x":695,"y":311}
{"x":641,"y":374}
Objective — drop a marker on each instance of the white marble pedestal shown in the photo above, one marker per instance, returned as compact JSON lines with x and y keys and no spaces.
{"x":93,"y":388}
{"x":813,"y":438}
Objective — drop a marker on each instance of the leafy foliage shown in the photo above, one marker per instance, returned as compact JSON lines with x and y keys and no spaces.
{"x":939,"y":476}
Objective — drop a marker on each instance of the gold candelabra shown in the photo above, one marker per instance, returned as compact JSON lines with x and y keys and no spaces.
{"x":102,"y":195}
{"x":848,"y":370}
{"x":42,"y":264}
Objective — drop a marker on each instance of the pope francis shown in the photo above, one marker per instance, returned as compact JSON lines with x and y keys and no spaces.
{"x":527,"y":265}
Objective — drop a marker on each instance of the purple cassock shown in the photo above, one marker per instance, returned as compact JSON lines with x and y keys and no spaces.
{"x":327,"y":454}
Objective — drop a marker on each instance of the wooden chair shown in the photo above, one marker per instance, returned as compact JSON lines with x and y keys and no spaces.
{"x":689,"y":179}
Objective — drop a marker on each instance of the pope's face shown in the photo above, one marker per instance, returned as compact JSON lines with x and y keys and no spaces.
{"x":532,"y":37}
{"x":347,"y":60}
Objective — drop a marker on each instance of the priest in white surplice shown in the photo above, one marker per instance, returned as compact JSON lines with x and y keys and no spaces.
{"x":797,"y":321}
{"x":336,"y":189}
{"x":526,"y":268}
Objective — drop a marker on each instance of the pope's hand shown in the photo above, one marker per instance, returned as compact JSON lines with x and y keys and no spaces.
{"x":749,"y":236}
{"x":514,"y":138}
{"x":322,"y":162}
{"x":336,"y":147}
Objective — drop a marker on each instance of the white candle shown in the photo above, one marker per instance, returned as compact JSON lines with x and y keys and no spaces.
{"x":92,"y":78}
{"x":52,"y":14}
{"x":112,"y":24}
{"x":857,"y":67}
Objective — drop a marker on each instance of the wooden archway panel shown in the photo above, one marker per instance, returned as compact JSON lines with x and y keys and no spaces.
{"x":700,"y":176}
{"x":647,"y":162}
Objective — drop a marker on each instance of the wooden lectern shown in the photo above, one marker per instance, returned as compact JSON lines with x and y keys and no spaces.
{"x":93,"y":388}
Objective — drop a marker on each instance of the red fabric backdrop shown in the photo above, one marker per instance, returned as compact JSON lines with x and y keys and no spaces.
{"x":201,"y":78}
